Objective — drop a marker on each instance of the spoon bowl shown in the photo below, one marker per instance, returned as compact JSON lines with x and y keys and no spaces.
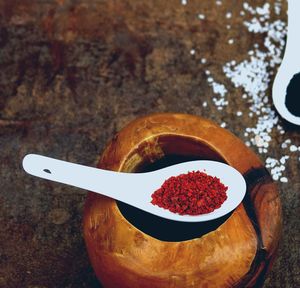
{"x":136,"y":188}
{"x":290,"y":65}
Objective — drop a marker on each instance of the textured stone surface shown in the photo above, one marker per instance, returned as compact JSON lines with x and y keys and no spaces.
{"x":72,"y":74}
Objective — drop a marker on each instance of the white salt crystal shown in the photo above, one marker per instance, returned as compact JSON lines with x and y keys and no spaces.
{"x":253,"y":76}
{"x":277,"y":8}
{"x":283,"y":179}
{"x":258,"y":141}
{"x":266,"y":144}
{"x":228,"y":15}
{"x":183,"y":2}
{"x":246,"y":5}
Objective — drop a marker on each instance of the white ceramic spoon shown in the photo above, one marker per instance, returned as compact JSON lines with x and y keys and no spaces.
{"x":290,"y":64}
{"x":136,"y":188}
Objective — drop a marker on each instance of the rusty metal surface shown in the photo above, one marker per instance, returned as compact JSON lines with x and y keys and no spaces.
{"x":72,"y":74}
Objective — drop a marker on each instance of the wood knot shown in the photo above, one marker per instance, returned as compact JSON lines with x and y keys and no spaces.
{"x":139,"y":239}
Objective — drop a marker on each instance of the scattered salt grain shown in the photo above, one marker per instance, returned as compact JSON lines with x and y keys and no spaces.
{"x":293,"y":148}
{"x":277,"y":7}
{"x":282,"y":160}
{"x":258,"y":141}
{"x":219,"y":89}
{"x":192,"y":51}
{"x":228,"y":15}
{"x":283,"y":179}
{"x":254,"y":76}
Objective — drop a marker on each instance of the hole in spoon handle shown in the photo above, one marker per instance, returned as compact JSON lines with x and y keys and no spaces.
{"x":104,"y":182}
{"x":62,"y":171}
{"x":44,"y":167}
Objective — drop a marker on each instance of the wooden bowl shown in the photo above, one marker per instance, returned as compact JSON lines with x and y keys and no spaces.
{"x":129,"y":248}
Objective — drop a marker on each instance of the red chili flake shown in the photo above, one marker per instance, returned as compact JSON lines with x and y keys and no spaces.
{"x":193,"y":193}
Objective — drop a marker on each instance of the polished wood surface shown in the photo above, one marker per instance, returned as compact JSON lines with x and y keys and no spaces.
{"x":237,"y":254}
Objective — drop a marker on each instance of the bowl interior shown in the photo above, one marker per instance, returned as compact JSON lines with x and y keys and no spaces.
{"x":156,"y":153}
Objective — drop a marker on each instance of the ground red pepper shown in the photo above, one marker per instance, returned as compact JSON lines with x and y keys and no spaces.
{"x":193,"y":193}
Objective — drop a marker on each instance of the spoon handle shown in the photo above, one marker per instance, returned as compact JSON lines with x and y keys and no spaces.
{"x":105,"y":182}
{"x":293,"y":43}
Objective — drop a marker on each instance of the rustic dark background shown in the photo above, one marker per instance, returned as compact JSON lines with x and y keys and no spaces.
{"x":72,"y":73}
